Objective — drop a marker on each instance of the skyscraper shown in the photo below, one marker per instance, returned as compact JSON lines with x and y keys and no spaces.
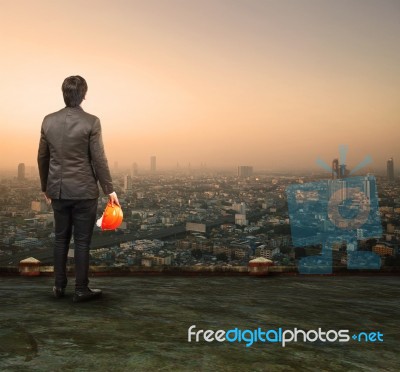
{"x":245,"y":171}
{"x":335,"y":169}
{"x":21,"y":171}
{"x":369,"y":186}
{"x":135,"y":170}
{"x":339,"y":170}
{"x":127,"y":183}
{"x":390,"y":170}
{"x":153,"y":164}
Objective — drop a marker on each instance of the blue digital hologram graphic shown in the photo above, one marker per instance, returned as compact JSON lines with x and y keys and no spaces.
{"x":331,"y":212}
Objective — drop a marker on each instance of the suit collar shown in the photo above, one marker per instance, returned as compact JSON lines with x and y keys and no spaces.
{"x":74,"y":108}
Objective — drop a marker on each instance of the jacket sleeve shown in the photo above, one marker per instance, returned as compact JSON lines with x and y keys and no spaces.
{"x":43,"y":160}
{"x":99,"y":160}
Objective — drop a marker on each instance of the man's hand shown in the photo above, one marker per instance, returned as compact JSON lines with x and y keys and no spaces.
{"x":48,"y":200}
{"x":113,"y":198}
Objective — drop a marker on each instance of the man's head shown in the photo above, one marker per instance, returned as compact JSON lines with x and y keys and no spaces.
{"x":74,"y":90}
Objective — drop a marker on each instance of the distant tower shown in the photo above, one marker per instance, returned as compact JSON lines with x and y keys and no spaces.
{"x":135,"y":171}
{"x":21,"y":171}
{"x":369,"y":187}
{"x":153,"y":164}
{"x":390,"y":170}
{"x":115,"y":166}
{"x":127,"y":183}
{"x":339,"y":171}
{"x":344,"y":172}
{"x":245,"y":171}
{"x":335,"y":169}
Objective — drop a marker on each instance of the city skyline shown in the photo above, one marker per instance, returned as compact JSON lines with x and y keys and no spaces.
{"x":271,"y":84}
{"x":135,"y":169}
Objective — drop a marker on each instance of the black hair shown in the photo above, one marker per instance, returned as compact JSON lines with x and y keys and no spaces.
{"x":74,"y":90}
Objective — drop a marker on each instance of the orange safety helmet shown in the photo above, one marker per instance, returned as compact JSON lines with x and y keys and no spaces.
{"x":112,"y":217}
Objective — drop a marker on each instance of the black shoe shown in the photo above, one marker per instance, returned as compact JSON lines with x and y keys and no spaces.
{"x":58,"y":292}
{"x":86,"y":294}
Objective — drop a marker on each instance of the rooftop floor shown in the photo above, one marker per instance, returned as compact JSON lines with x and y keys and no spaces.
{"x":141,"y":323}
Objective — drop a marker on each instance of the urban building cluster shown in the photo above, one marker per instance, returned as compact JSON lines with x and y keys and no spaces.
{"x":186,"y":218}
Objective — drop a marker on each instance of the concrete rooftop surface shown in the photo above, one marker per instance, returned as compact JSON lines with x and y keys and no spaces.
{"x":141,"y":323}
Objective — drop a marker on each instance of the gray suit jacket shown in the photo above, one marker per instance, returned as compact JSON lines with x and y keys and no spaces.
{"x":71,"y":156}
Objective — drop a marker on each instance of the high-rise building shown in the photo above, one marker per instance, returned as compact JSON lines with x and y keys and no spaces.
{"x":390,"y":170}
{"x":335,"y":169}
{"x":135,"y":170}
{"x":245,"y":171}
{"x":369,"y":186}
{"x":339,"y":170}
{"x":153,"y":164}
{"x":127,"y":183}
{"x":21,"y":171}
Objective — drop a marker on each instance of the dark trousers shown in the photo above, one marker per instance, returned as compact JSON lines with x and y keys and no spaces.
{"x":81,"y":216}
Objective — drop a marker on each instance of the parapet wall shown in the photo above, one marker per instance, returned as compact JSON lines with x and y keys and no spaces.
{"x":194,"y":270}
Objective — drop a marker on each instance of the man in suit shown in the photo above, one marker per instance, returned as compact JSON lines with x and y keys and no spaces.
{"x":71,"y":160}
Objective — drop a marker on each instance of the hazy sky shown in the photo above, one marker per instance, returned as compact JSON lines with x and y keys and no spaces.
{"x":269,"y":83}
